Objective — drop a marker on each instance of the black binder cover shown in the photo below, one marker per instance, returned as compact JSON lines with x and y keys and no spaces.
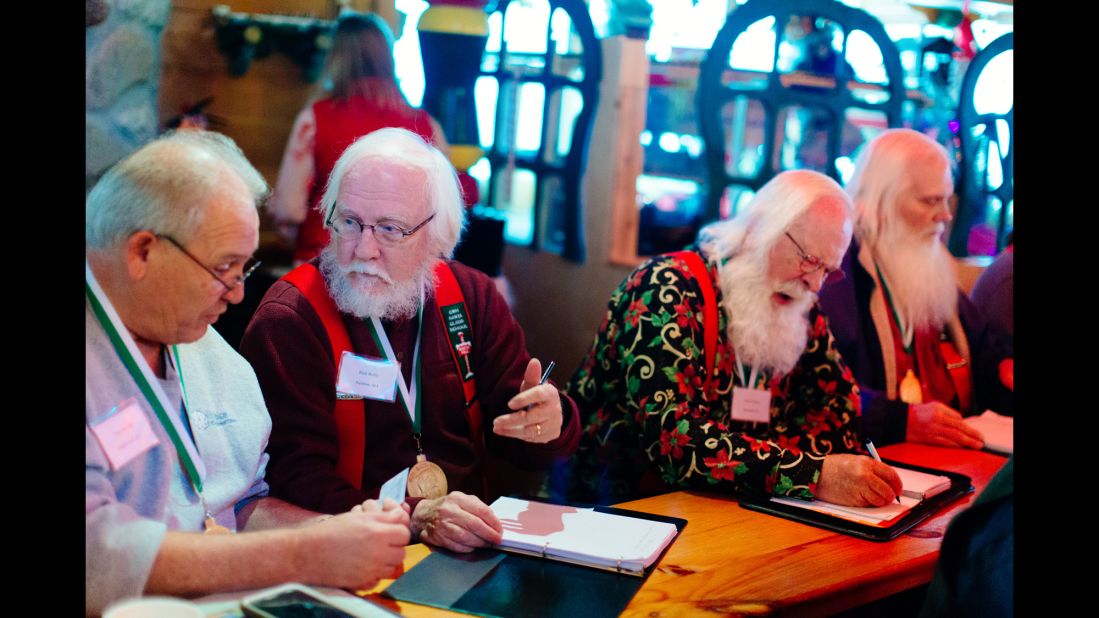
{"x":490,"y":582}
{"x":960,"y":485}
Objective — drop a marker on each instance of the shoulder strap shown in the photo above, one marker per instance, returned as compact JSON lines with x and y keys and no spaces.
{"x":458,"y":330}
{"x":348,"y":414}
{"x":709,"y":304}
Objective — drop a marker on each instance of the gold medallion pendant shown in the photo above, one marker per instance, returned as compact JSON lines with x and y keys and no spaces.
{"x":426,"y":480}
{"x":212,"y":527}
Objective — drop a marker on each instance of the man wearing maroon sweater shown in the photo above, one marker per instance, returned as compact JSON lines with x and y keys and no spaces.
{"x":378,"y":359}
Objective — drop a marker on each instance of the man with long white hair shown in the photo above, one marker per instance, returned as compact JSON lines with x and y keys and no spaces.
{"x":714,"y":369}
{"x":923,"y":355}
{"x":175,"y":425}
{"x":392,"y":371}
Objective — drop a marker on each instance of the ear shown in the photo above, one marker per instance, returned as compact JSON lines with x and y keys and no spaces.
{"x":139,"y":246}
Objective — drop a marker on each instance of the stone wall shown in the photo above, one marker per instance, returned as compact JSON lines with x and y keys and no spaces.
{"x":122,"y":74}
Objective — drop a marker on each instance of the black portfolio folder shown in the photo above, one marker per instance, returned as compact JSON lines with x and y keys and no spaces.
{"x":489,"y":582}
{"x":960,"y":485}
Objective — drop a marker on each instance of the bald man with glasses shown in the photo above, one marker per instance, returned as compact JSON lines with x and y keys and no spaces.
{"x":391,"y":370}
{"x":175,"y":425}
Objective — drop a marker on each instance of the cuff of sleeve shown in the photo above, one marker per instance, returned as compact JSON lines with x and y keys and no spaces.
{"x":797,"y":475}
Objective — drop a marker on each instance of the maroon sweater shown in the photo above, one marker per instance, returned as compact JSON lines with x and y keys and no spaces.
{"x":289,"y":349}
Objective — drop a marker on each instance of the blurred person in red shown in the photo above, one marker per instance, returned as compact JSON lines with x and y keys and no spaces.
{"x":361,"y":96}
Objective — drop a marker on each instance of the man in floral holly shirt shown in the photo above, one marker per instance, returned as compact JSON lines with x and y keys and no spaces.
{"x":775,"y":408}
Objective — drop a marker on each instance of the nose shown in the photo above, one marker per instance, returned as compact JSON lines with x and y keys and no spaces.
{"x":367,"y":248}
{"x":814,"y":280}
{"x":942,"y":212}
{"x":235,"y":295}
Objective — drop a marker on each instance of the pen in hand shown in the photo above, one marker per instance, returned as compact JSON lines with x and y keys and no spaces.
{"x":877,"y":458}
{"x":545,"y":375}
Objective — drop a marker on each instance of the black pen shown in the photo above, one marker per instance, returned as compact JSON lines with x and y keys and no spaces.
{"x":877,"y":458}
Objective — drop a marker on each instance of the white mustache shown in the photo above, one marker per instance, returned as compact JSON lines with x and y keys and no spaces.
{"x":367,"y":268}
{"x":795,"y":290}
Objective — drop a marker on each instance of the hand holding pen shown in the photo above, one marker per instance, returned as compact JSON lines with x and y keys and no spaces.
{"x":874,"y":453}
{"x":538,"y":417}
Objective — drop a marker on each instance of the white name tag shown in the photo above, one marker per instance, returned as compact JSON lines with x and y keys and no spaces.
{"x":394,"y":488}
{"x":751,"y":405}
{"x":125,"y":434}
{"x":373,"y":378}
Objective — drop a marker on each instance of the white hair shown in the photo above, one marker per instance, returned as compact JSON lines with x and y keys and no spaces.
{"x":409,"y":150}
{"x":164,"y":187}
{"x":769,"y":214}
{"x":882,"y":173}
{"x":919,"y":270}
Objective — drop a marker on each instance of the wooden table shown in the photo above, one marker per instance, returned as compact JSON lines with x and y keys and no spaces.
{"x":734,"y":561}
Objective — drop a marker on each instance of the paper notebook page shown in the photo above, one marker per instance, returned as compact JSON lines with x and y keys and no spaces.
{"x":580,"y":533}
{"x":997,"y":430}
{"x":921,"y":485}
{"x":867,"y":515}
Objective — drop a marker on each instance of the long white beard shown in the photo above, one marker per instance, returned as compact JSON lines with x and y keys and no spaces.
{"x":393,"y":301}
{"x":920,"y":274}
{"x":763,"y":334}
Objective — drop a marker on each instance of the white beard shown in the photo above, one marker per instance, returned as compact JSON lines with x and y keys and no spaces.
{"x":920,"y":274}
{"x":393,"y":302}
{"x":764,"y":335}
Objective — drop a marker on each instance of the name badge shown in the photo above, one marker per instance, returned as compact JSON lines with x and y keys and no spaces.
{"x":124,"y":433}
{"x":752,"y":405}
{"x":372,"y":378}
{"x":394,"y":488}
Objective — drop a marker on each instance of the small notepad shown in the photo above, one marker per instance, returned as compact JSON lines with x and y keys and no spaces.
{"x":921,"y":485}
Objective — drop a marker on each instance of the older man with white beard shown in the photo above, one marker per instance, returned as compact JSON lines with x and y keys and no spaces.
{"x":923,"y":355}
{"x":391,"y":372}
{"x":714,"y":369}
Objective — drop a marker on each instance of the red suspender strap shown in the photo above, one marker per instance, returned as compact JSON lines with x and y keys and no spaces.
{"x":458,"y":329}
{"x":709,"y":305}
{"x":958,"y":369}
{"x":349,"y":414}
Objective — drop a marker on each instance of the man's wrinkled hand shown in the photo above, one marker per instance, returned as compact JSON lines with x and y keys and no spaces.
{"x":457,"y":521}
{"x":539,"y":417}
{"x":356,"y":549}
{"x":857,"y":480}
{"x":938,"y":424}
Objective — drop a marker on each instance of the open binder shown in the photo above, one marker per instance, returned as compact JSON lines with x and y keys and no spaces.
{"x":491,"y":582}
{"x":960,"y":485}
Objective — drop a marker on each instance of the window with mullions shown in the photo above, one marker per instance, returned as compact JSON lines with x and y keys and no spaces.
{"x":793,"y":85}
{"x":536,"y":99}
{"x":986,"y":121}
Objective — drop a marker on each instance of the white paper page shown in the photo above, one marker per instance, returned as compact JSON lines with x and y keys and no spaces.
{"x":866,"y":515}
{"x":581,"y":534}
{"x":998,"y":430}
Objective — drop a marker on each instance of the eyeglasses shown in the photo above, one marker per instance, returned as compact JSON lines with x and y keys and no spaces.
{"x":812,"y":263}
{"x":386,"y":233}
{"x":249,"y":267}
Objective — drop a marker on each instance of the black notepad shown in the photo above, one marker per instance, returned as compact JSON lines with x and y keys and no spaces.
{"x":493,"y":583}
{"x":960,"y":485}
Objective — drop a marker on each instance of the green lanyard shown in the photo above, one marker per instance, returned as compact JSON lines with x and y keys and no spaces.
{"x":906,"y":341}
{"x":409,"y":395}
{"x":750,"y":382}
{"x":146,"y":389}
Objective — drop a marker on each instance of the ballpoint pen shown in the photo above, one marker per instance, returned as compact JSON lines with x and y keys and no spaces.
{"x":877,"y":458}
